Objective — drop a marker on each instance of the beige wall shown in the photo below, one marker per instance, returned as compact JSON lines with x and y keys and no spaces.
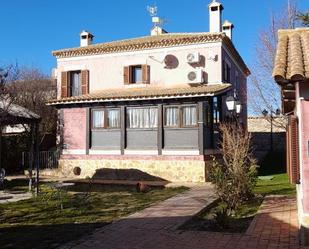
{"x":106,"y":71}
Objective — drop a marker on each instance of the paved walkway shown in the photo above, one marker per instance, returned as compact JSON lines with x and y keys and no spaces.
{"x":13,"y":196}
{"x":275,"y":226}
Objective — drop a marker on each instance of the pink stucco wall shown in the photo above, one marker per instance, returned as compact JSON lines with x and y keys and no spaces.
{"x":106,"y":70}
{"x":304,"y":134}
{"x":74,"y":133}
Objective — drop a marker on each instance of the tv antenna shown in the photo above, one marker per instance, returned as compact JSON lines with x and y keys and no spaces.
{"x":153,"y":12}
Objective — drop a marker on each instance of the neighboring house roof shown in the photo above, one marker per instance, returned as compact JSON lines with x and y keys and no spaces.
{"x":145,"y":93}
{"x":291,"y":63}
{"x":152,"y":42}
{"x":292,"y":58}
{"x":15,"y":114}
{"x":262,"y":124}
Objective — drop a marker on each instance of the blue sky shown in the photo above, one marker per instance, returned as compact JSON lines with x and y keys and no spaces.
{"x":31,"y":29}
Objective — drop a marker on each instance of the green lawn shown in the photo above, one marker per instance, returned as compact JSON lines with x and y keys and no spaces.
{"x":41,"y":223}
{"x":278,"y":185}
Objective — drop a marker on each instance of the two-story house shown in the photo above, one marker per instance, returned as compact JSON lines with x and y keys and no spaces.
{"x":149,"y":103}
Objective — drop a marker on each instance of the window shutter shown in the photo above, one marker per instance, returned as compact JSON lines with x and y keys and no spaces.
{"x":64,"y":84}
{"x":146,"y":74}
{"x":293,"y":150}
{"x":85,"y":81}
{"x":126,"y":75}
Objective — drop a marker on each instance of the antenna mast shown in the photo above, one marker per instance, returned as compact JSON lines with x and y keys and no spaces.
{"x":153,"y":12}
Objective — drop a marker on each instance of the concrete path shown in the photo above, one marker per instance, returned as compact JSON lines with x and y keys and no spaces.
{"x":6,"y":197}
{"x":274,"y":227}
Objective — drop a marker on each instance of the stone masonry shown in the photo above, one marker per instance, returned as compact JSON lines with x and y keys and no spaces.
{"x":171,"y":170}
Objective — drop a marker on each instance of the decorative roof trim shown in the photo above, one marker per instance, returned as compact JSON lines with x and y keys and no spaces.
{"x":96,"y":99}
{"x":153,"y":42}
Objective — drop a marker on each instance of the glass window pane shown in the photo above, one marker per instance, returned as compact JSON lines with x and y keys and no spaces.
{"x":189,"y":116}
{"x":98,"y":119}
{"x":75,"y":79}
{"x":138,"y":74}
{"x":113,"y":118}
{"x":142,"y":117}
{"x":171,"y":116}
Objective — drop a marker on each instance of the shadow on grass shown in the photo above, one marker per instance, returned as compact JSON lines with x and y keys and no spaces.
{"x":44,"y":236}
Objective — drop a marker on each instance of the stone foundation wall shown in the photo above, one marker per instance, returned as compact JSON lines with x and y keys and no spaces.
{"x":171,"y":170}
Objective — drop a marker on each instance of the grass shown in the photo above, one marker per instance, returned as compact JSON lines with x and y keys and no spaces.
{"x":41,"y":223}
{"x":277,"y":184}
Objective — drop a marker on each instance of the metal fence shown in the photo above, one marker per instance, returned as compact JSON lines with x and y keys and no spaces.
{"x":47,"y":159}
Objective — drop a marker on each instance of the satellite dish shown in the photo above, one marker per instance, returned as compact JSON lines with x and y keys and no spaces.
{"x":169,"y":59}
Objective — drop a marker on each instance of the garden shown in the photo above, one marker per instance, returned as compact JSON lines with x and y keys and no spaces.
{"x":240,"y":185}
{"x":57,"y":216}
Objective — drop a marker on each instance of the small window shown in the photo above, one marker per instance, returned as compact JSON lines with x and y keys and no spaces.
{"x":226,"y":72}
{"x":189,"y":116}
{"x":113,"y":116}
{"x":75,"y":86}
{"x":236,"y":81}
{"x":136,"y":74}
{"x":171,"y":116}
{"x":98,"y":119}
{"x":142,"y":117}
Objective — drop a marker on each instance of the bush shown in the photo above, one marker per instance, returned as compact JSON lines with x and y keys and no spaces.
{"x":235,"y":175}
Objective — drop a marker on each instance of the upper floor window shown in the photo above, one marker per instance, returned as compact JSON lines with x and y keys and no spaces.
{"x":136,"y":74}
{"x":74,"y":83}
{"x":75,"y":86}
{"x":226,"y":72}
{"x":237,"y":80}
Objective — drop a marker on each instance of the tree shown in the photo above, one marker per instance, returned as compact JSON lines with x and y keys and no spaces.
{"x":264,"y":93}
{"x":234,"y":177}
{"x":32,"y":89}
{"x":303,"y":18}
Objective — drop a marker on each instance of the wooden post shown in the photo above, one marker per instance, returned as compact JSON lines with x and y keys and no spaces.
{"x":1,"y":147}
{"x":31,"y":155}
{"x":160,"y":129}
{"x":122,"y":129}
{"x":201,"y":127}
{"x":87,"y":130}
{"x":36,"y":156}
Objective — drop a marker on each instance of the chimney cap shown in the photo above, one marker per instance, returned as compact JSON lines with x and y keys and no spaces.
{"x":227,"y":24}
{"x":86,"y":33}
{"x":214,"y":3}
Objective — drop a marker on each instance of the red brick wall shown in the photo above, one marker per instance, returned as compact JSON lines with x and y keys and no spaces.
{"x":304,"y":133}
{"x":74,"y":133}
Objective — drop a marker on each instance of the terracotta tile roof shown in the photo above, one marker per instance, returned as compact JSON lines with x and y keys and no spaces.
{"x":292,"y":58}
{"x":144,"y":93}
{"x":152,"y":42}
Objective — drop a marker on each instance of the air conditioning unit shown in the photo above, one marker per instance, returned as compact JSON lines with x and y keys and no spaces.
{"x":195,"y":76}
{"x":193,"y":57}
